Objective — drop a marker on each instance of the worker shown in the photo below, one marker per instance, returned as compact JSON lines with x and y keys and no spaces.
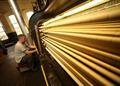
{"x":23,"y":52}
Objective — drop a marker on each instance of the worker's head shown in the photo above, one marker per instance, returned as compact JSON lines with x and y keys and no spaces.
{"x":22,"y":38}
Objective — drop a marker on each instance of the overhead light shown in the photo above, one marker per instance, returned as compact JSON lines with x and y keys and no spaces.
{"x":77,"y":9}
{"x":18,"y":16}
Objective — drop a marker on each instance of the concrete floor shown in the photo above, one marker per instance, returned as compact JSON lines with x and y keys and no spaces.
{"x":9,"y":76}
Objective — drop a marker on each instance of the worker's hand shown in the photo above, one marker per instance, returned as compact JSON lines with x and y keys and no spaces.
{"x":35,"y":50}
{"x":32,"y":46}
{"x":31,"y":51}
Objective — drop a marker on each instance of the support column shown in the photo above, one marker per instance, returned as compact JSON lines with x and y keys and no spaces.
{"x":19,"y":18}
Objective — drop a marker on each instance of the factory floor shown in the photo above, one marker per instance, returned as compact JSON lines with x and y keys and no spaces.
{"x":10,"y":76}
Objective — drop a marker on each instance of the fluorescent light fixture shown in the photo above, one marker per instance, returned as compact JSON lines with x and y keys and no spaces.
{"x":78,"y":9}
{"x":18,"y":17}
{"x":14,"y":8}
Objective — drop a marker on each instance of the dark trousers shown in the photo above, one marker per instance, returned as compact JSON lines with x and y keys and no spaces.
{"x":32,"y":60}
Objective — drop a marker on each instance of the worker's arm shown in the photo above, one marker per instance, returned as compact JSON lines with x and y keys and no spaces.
{"x":32,"y":46}
{"x":30,"y":51}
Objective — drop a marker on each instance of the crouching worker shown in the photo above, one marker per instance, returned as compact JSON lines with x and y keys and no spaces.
{"x":23,"y":53}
